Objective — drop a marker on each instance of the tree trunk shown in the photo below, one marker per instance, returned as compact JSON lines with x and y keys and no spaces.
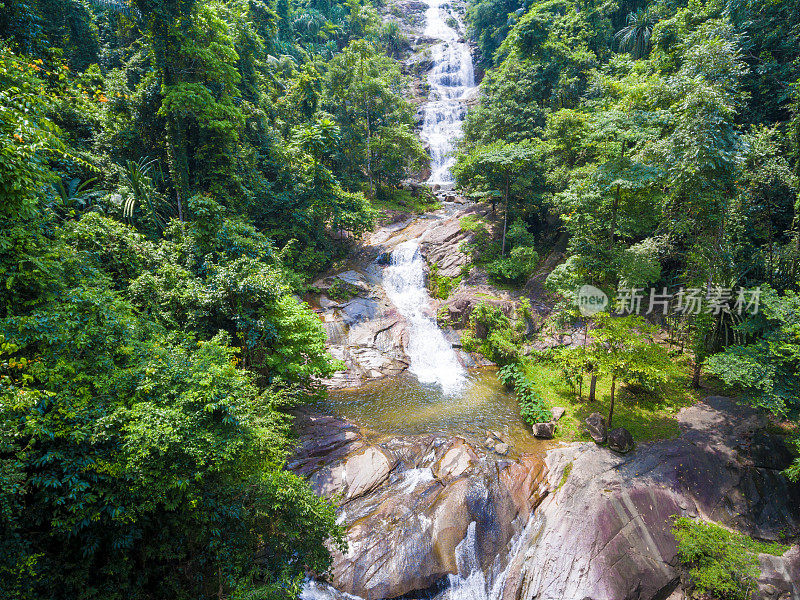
{"x":696,"y":373}
{"x":615,"y":204}
{"x":505,"y":219}
{"x":611,"y":410}
{"x":178,"y":159}
{"x":771,"y":243}
{"x":614,"y":209}
{"x":592,"y":388}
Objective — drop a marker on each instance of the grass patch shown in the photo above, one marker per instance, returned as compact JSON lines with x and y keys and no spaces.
{"x":648,"y":416}
{"x":405,"y":201}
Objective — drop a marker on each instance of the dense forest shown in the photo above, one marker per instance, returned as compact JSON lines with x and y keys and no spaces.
{"x":658,"y":146}
{"x":173,"y":173}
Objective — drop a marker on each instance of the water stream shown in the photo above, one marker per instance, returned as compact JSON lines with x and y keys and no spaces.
{"x":432,"y":358}
{"x":437,"y":395}
{"x":452,"y":82}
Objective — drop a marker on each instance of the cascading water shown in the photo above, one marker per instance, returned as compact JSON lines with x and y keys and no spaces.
{"x":432,"y":358}
{"x":452,"y":82}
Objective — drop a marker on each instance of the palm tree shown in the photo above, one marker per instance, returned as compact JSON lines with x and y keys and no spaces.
{"x":635,"y":36}
{"x":136,"y":177}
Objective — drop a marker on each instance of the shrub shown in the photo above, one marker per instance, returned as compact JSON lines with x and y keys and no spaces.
{"x":514,"y":268}
{"x":531,"y":406}
{"x":441,"y":286}
{"x":721,"y":563}
{"x":492,"y":334}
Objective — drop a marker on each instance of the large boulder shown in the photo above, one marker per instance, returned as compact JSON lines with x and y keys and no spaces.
{"x":458,"y":458}
{"x":605,"y":531}
{"x":596,"y":426}
{"x":544,"y":430}
{"x":620,"y":440}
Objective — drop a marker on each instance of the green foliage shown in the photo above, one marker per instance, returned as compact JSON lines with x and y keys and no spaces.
{"x":170,"y":176}
{"x":28,"y":139}
{"x":721,"y":563}
{"x":514,"y":268}
{"x":623,"y":349}
{"x":532,"y":407}
{"x":647,"y":414}
{"x":767,"y":368}
{"x":635,"y":36}
{"x":441,"y":286}
{"x":493,"y":334}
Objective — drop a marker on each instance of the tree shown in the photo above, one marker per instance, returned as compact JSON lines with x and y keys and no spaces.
{"x":493,"y":167}
{"x":624,"y":349}
{"x":768,"y":367}
{"x":364,"y":93}
{"x":635,"y":36}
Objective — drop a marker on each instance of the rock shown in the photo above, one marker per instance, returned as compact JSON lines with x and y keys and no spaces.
{"x":402,"y":534}
{"x":366,"y":470}
{"x":326,"y":302}
{"x":596,"y":425}
{"x":360,"y":309}
{"x":780,"y":575}
{"x":501,"y":448}
{"x":359,"y":474}
{"x":458,"y":458}
{"x":544,"y":430}
{"x":558,"y":412}
{"x":490,"y":443}
{"x":620,"y":440}
{"x":605,"y":532}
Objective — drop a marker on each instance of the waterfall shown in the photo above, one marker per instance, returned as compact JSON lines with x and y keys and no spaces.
{"x":452,"y":81}
{"x":432,"y":358}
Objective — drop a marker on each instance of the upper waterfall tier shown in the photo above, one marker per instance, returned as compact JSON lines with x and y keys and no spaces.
{"x":452,"y":81}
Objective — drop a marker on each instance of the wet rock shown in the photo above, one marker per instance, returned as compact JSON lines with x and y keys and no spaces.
{"x":501,"y":448}
{"x":544,"y":430}
{"x":458,"y":458}
{"x":620,"y":440}
{"x":596,"y":426}
{"x":558,"y":412}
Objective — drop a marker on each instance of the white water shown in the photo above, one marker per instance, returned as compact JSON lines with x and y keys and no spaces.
{"x":432,"y":358}
{"x":452,"y":81}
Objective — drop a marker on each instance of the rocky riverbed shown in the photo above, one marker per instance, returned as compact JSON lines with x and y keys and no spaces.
{"x":570,"y":522}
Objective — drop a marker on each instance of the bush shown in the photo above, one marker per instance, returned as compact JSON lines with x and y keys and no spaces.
{"x":492,"y":334}
{"x":441,"y":286}
{"x":514,"y":268}
{"x":721,"y":563}
{"x":531,"y":406}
